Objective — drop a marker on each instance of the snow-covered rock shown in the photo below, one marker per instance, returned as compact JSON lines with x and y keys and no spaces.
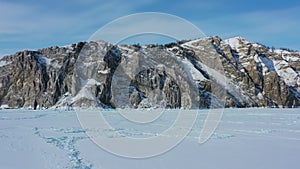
{"x":233,"y":72}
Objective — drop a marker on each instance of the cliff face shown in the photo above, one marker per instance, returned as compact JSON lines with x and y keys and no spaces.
{"x":175,"y":75}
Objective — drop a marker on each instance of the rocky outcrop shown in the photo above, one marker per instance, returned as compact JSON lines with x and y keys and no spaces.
{"x":154,"y":86}
{"x":37,"y":78}
{"x":208,"y":72}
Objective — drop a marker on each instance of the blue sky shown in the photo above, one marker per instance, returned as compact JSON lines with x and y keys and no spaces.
{"x":35,"y":24}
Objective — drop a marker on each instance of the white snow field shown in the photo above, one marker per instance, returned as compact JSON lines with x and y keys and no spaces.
{"x":255,"y":138}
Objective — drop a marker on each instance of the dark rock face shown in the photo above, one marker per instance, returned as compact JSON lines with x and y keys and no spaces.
{"x":92,"y":76}
{"x":34,"y":80}
{"x":157,"y":86}
{"x":82,"y":75}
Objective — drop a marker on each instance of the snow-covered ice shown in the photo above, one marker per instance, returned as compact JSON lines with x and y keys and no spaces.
{"x":245,"y":138}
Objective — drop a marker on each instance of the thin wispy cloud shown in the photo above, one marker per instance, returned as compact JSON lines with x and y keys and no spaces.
{"x":35,"y":24}
{"x":144,"y":23}
{"x":13,"y":18}
{"x":274,"y":27}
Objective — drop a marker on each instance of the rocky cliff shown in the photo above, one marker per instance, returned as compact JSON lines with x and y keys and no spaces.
{"x":208,"y":72}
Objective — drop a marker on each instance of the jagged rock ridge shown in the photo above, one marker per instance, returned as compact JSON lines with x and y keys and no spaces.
{"x":82,"y":75}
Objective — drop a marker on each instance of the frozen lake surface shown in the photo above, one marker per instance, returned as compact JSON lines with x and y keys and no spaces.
{"x":245,"y":139}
